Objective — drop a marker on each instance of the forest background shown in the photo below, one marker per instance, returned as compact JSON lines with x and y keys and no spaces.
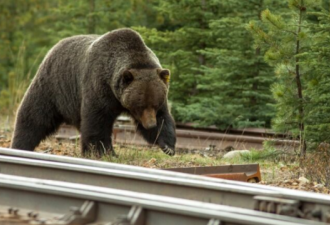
{"x":234,"y":64}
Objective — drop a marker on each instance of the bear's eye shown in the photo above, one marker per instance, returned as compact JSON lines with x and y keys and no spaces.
{"x":127,"y":77}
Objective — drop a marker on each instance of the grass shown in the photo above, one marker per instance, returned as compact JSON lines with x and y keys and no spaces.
{"x":275,"y":165}
{"x":273,"y":168}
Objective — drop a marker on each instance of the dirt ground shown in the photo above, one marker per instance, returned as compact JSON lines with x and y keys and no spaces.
{"x":274,"y":172}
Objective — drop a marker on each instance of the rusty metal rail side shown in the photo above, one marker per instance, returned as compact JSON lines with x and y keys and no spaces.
{"x":244,"y":172}
{"x":229,"y":137}
{"x":48,"y":202}
{"x":260,"y":132}
{"x":196,"y":134}
{"x":120,"y":135}
{"x":238,"y":194}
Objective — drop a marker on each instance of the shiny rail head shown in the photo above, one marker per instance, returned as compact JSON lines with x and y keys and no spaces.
{"x":160,"y":174}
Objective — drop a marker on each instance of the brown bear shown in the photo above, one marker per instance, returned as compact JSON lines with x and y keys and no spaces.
{"x":87,"y":81}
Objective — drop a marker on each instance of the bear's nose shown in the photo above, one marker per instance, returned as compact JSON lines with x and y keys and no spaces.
{"x":148,"y":118}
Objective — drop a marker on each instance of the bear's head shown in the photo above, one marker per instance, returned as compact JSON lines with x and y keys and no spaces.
{"x":143,"y":93}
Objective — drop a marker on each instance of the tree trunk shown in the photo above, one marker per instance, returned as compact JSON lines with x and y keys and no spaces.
{"x":201,"y":58}
{"x":299,"y":86}
{"x":91,"y":18}
{"x":253,"y":99}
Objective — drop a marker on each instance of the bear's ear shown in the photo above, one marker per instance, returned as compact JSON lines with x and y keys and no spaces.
{"x":164,"y":74}
{"x":127,"y":77}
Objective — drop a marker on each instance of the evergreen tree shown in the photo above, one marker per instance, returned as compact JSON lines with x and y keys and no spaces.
{"x":97,"y":17}
{"x":178,"y":41}
{"x":237,"y":88}
{"x":217,"y":77}
{"x":318,"y":118}
{"x":21,"y":47}
{"x":190,"y":33}
{"x":288,"y":41}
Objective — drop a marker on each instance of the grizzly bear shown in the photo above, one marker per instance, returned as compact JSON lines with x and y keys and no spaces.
{"x":88,"y":81}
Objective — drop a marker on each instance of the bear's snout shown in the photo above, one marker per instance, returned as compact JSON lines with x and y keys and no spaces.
{"x":148,"y":118}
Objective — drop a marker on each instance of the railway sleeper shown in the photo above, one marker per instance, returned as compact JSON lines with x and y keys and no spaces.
{"x":289,"y":207}
{"x":84,"y":215}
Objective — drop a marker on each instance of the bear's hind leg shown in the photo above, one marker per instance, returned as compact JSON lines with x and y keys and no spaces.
{"x":34,"y":122}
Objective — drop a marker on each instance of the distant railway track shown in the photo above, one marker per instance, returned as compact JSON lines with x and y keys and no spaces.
{"x":309,"y":206}
{"x":190,"y":138}
{"x":256,"y":132}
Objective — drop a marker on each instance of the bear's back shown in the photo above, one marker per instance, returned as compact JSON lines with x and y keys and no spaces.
{"x":126,"y":40}
{"x":66,"y":56}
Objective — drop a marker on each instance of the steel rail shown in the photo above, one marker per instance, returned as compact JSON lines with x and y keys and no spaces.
{"x":219,"y":136}
{"x":103,"y":205}
{"x":260,"y":132}
{"x":166,"y":183}
{"x":186,"y":138}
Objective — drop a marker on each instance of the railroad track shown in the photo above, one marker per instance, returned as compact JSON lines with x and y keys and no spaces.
{"x":272,"y":200}
{"x":256,"y":132}
{"x":35,"y":201}
{"x":189,"y":138}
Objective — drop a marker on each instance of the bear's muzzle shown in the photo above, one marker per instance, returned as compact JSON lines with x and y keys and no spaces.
{"x":148,"y":118}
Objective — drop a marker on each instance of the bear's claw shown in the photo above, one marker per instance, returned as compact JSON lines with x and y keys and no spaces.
{"x":168,"y":151}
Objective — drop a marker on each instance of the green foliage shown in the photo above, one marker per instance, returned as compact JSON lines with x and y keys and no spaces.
{"x":220,"y":74}
{"x":21,"y":44}
{"x":297,"y":49}
{"x":217,"y":77}
{"x":243,"y":95}
{"x":318,"y":119}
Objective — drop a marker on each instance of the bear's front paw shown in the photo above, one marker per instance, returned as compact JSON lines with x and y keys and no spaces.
{"x":114,"y":154}
{"x":167,"y":150}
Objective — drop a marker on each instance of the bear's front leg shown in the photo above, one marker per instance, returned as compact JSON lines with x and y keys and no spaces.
{"x":96,"y":138}
{"x":163,"y":134}
{"x":96,"y":129}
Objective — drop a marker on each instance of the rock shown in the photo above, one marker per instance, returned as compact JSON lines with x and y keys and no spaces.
{"x":235,"y":153}
{"x":152,"y":160}
{"x":303,"y":180}
{"x":319,"y":186}
{"x":287,"y":182}
{"x":283,"y":168}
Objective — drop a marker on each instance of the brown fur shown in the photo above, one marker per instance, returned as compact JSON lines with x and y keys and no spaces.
{"x":87,"y":81}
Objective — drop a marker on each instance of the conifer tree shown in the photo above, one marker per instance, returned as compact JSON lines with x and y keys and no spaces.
{"x":288,"y":41}
{"x":237,"y":88}
{"x":318,"y":118}
{"x":21,"y":46}
{"x":217,"y":77}
{"x":178,"y":41}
